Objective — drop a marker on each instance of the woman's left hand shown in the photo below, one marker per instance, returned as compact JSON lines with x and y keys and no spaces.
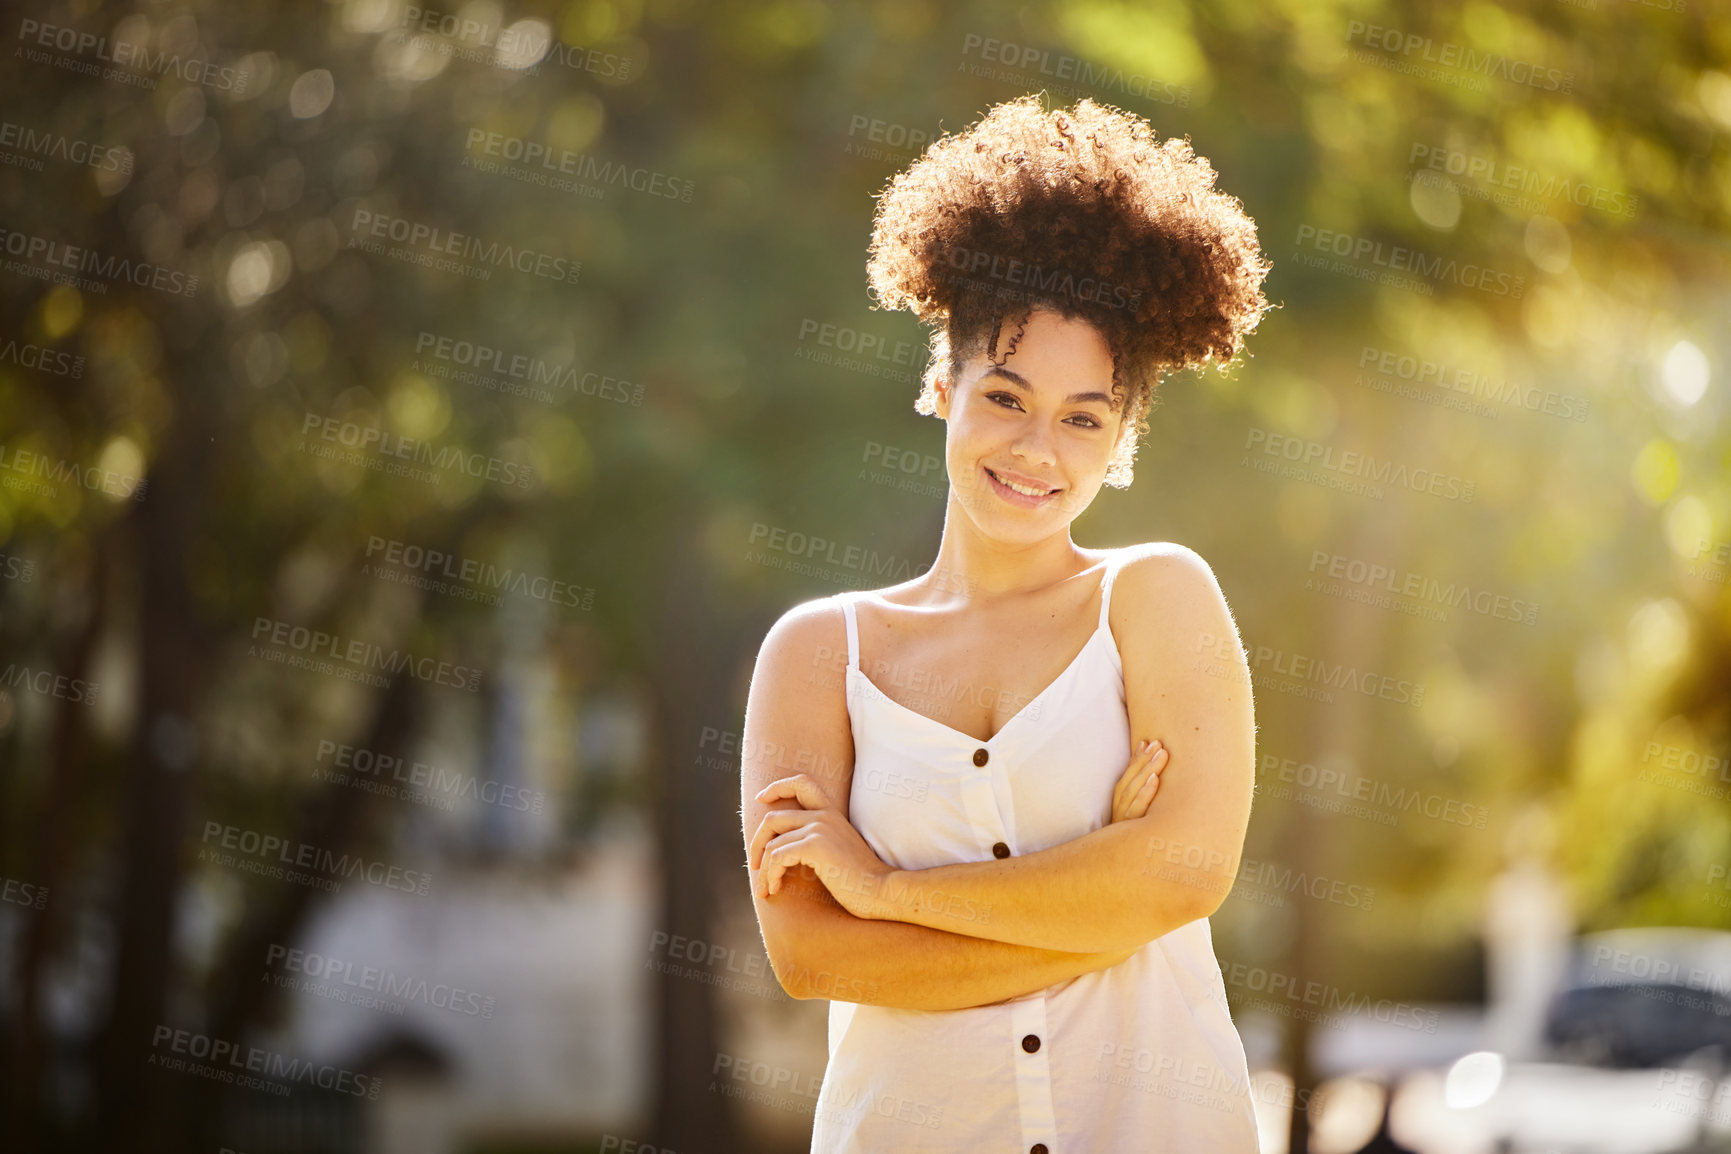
{"x":817,"y":835}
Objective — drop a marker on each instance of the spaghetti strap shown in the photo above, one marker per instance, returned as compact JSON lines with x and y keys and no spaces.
{"x":847,"y":600}
{"x":1112,"y":564}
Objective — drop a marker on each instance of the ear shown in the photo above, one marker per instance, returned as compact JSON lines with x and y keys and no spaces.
{"x":941,"y":386}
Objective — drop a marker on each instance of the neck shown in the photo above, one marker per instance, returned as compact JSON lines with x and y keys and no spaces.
{"x":973,"y":566}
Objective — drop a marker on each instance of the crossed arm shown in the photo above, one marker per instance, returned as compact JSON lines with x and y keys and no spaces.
{"x":978,"y":932}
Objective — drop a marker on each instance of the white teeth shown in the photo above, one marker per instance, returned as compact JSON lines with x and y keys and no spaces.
{"x":1023,"y":489}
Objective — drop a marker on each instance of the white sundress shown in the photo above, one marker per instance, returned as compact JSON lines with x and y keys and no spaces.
{"x":1141,"y":1057}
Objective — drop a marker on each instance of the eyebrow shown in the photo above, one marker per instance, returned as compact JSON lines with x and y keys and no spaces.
{"x":1018,"y":380}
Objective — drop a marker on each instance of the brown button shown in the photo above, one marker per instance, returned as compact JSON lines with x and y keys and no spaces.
{"x":1000,"y":850}
{"x":1031,"y":1043}
{"x":1037,"y":1148}
{"x":980,"y":756}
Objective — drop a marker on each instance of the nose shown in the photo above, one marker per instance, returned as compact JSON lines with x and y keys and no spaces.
{"x":1035,"y":446}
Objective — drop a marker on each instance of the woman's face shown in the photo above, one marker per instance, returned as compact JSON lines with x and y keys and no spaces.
{"x":1042,"y":420}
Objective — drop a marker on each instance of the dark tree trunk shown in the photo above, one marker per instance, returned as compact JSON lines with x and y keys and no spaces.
{"x":65,"y":785}
{"x":175,"y":658}
{"x":1351,"y":636}
{"x":697,"y":814}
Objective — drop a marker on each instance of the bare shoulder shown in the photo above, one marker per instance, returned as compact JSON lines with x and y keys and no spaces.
{"x":796,"y":718}
{"x":1164,"y":561}
{"x":818,"y":622}
{"x":1166,"y":597}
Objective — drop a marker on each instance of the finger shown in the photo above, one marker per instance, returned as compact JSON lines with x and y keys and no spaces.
{"x":799,"y":787}
{"x":782,"y":856}
{"x":1136,"y":773}
{"x":1155,"y":768}
{"x":1126,"y":780}
{"x":775,"y":822}
{"x":1151,"y":788}
{"x":1144,"y":755}
{"x":1137,"y":791}
{"x":1145,"y":797}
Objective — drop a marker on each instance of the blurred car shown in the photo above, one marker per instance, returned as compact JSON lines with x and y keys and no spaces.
{"x":1637,"y":1046}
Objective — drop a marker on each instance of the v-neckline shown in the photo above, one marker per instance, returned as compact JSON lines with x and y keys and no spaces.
{"x":1013,"y":718}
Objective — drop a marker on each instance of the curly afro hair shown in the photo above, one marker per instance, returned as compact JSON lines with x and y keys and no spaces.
{"x":1081,"y":211}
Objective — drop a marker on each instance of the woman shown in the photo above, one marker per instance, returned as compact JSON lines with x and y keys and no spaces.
{"x":989,"y":811}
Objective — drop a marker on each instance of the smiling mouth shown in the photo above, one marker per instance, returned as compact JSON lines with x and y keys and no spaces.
{"x":1018,"y":487}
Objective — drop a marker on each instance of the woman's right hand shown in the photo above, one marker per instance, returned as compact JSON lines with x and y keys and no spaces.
{"x":1140,"y":782}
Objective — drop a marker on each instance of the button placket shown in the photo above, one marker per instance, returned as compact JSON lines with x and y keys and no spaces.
{"x":980,"y":799}
{"x":1039,"y":1115}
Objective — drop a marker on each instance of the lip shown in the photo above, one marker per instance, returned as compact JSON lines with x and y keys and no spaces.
{"x":1015,"y":498}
